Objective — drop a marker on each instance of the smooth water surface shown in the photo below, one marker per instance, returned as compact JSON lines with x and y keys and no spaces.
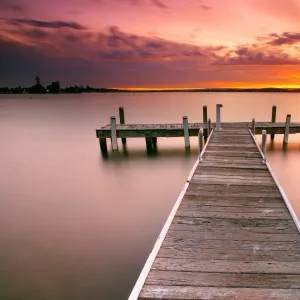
{"x":76,"y":226}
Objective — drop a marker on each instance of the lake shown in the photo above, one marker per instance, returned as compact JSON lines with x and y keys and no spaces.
{"x":74,"y":225}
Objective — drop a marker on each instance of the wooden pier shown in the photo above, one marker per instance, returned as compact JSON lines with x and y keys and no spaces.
{"x":232,"y":234}
{"x":151,"y":132}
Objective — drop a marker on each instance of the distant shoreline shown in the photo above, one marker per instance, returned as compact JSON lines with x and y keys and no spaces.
{"x":213,"y":90}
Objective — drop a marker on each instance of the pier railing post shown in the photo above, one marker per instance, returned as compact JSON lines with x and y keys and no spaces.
{"x":273,"y":119}
{"x":253,"y":126}
{"x":264,"y":144}
{"x":218,"y":119}
{"x":287,"y":129}
{"x":113,"y":126}
{"x":186,"y":132}
{"x":200,"y":140}
{"x":208,"y":127}
{"x":122,"y":120}
{"x":206,"y":133}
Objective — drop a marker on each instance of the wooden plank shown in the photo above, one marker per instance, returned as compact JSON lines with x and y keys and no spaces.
{"x":211,"y":293}
{"x":222,"y":201}
{"x":234,"y":165}
{"x":224,"y":266}
{"x":229,"y":244}
{"x":248,"y":225}
{"x":228,"y":254}
{"x":175,"y":278}
{"x":242,"y":235}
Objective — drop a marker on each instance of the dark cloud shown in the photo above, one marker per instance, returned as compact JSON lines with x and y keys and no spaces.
{"x":286,"y":38}
{"x":12,"y":6}
{"x":48,"y":24}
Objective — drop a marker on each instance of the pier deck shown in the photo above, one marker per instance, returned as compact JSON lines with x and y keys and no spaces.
{"x":176,"y":130}
{"x":230,"y":235}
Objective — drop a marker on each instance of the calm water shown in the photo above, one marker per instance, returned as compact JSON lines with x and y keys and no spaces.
{"x":76,"y":226}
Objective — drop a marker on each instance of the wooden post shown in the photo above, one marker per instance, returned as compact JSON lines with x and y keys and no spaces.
{"x":205,"y":121}
{"x":186,"y":132}
{"x":218,"y":118}
{"x":122,"y":120}
{"x":103,"y":145}
{"x":287,"y":129}
{"x":154,"y":142}
{"x":114,"y":142}
{"x":273,"y":119}
{"x":148,"y":144}
{"x":200,"y":140}
{"x":253,"y":126}
{"x":264,"y":144}
{"x":209,"y":126}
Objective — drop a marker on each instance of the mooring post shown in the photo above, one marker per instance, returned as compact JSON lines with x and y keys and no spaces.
{"x":103,"y":145}
{"x":200,"y":140}
{"x":273,"y":119}
{"x":205,"y":121}
{"x":186,"y":131}
{"x":113,"y":126}
{"x":122,"y":120}
{"x":218,"y":119}
{"x":208,"y":126}
{"x":264,"y":144}
{"x":287,"y":129}
{"x":253,"y":126}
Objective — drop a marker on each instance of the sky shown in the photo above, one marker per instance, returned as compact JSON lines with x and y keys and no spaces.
{"x":151,"y":43}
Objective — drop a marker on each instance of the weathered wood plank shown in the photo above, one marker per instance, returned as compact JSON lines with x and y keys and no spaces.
{"x":175,"y":278}
{"x":228,"y":254}
{"x":226,"y":266}
{"x":212,"y":200}
{"x":242,"y":235}
{"x":249,"y":225}
{"x":229,"y":244}
{"x":151,"y":292}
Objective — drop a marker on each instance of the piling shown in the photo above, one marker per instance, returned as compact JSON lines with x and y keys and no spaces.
{"x":154,"y":142}
{"x":200,"y":140}
{"x":273,"y":119}
{"x":208,"y":126}
{"x":205,"y":121}
{"x":103,"y":145}
{"x":253,"y":126}
{"x":264,"y":144}
{"x":122,"y":120}
{"x":218,"y":118}
{"x":148,"y":144}
{"x":113,"y":125}
{"x":287,"y":129}
{"x":186,"y":132}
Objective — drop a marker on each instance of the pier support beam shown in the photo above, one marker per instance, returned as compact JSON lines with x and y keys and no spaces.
{"x":200,"y":140}
{"x":273,"y":119}
{"x":122,"y":120}
{"x":287,"y":129}
{"x":114,"y":142}
{"x":218,"y":118}
{"x":103,"y":145}
{"x":264,"y":144}
{"x":253,"y":126}
{"x":208,"y":127}
{"x":186,"y":132}
{"x":205,"y":121}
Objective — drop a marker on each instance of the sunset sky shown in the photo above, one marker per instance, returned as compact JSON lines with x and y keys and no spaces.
{"x":151,"y":43}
